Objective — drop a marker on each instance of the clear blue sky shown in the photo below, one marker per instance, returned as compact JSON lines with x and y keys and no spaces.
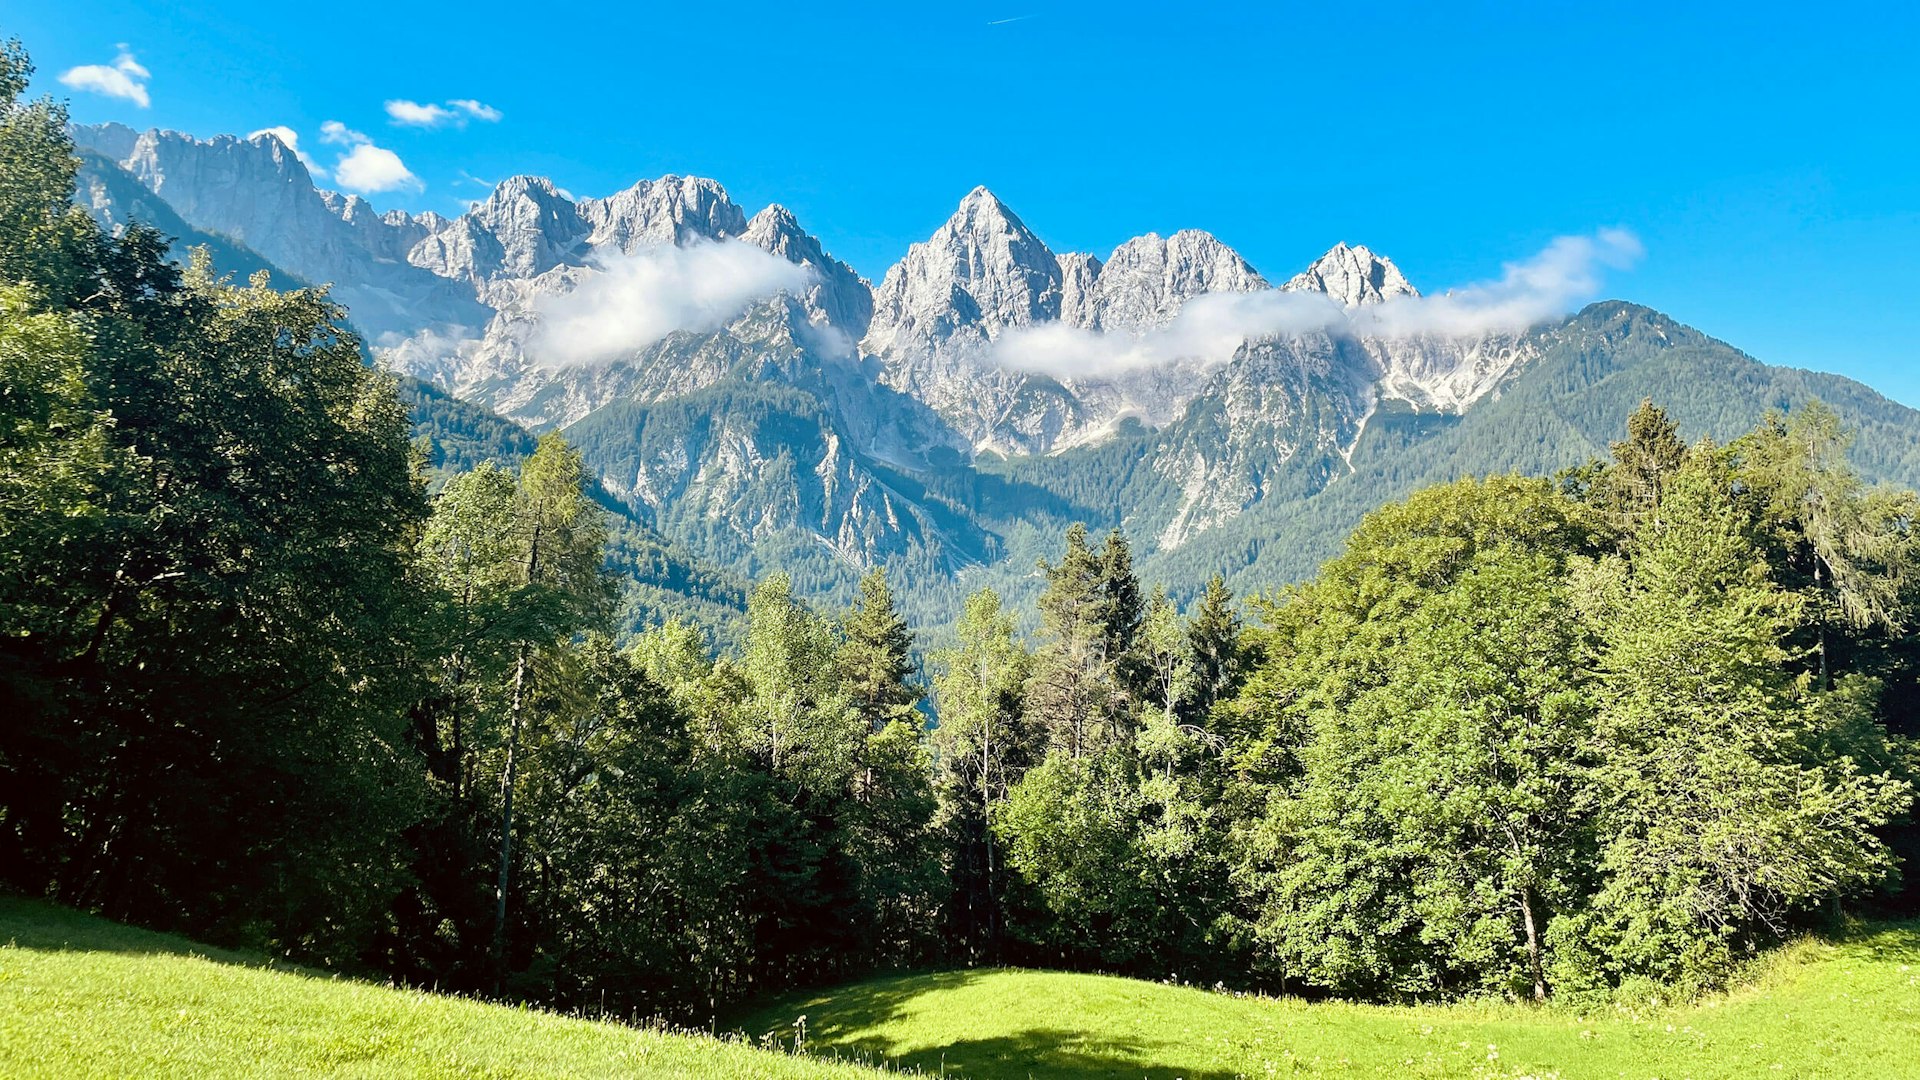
{"x":1768,"y":156}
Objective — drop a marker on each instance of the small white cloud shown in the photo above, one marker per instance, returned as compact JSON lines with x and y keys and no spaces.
{"x":635,"y":300}
{"x":367,"y":168}
{"x":290,"y":139}
{"x":454,"y":113}
{"x":124,"y":78}
{"x":339,"y":134}
{"x":370,"y":169}
{"x":477,"y":110}
{"x":1210,"y":328}
{"x":413,"y":114}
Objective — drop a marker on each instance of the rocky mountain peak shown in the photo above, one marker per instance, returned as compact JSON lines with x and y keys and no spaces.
{"x":110,"y":140}
{"x":1146,"y":280}
{"x":837,"y":294}
{"x":1353,"y":276}
{"x":670,"y":210}
{"x":777,"y":230}
{"x":526,"y":227}
{"x":982,"y":271}
{"x":981,"y":208}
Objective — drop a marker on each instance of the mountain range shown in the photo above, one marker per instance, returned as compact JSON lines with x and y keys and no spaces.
{"x":750,"y":403}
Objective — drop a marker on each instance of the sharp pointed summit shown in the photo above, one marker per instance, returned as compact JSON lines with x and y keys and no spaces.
{"x":980,"y":272}
{"x":1353,"y":276}
{"x":836,"y":294}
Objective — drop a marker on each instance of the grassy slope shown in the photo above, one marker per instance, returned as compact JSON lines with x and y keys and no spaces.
{"x":82,"y":997}
{"x":1848,"y":1009}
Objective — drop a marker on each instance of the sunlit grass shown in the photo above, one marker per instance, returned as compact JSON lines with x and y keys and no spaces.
{"x":1847,"y":1009}
{"x":81,"y":997}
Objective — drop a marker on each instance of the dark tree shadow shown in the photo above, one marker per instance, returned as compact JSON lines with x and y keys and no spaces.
{"x":1036,"y":1054}
{"x":45,"y":927}
{"x":835,"y":1018}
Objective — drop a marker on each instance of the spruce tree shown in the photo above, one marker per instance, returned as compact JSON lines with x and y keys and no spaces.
{"x":1644,"y":463}
{"x":1218,"y":656}
{"x":875,"y":657}
{"x":1729,"y":797}
{"x":1074,"y":694}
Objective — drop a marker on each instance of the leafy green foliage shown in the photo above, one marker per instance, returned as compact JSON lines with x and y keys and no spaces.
{"x":1520,"y":740}
{"x":194,"y":665}
{"x":1521,"y":737}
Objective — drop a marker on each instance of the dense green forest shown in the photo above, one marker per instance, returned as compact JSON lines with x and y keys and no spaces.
{"x":273,"y":674}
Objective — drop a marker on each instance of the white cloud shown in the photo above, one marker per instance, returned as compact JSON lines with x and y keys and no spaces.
{"x":1210,"y":328}
{"x":369,"y":169}
{"x":1567,"y":273}
{"x":635,"y":300}
{"x":290,"y":139}
{"x":364,"y":167}
{"x":413,"y":114}
{"x":456,"y":112}
{"x":124,"y":78}
{"x":477,"y":110}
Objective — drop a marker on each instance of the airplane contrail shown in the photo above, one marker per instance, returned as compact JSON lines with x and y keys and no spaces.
{"x":1003,"y":22}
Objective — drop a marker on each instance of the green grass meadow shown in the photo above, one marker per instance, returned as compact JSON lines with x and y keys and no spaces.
{"x":82,"y":997}
{"x":1847,"y":1009}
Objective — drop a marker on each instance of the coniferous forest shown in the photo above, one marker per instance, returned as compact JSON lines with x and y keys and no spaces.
{"x":264,"y":683}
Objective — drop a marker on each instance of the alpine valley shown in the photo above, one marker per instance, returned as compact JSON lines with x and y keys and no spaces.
{"x":947,"y":422}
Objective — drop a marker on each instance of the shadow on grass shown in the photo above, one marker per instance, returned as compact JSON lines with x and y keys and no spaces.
{"x":1899,"y":942}
{"x":1035,"y":1054}
{"x":840,"y":1022}
{"x":46,"y":927}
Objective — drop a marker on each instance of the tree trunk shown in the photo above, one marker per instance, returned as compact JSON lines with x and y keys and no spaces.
{"x":515,"y":715}
{"x":986,"y":829}
{"x":1821,"y":644}
{"x":499,"y":948}
{"x":1534,"y":963}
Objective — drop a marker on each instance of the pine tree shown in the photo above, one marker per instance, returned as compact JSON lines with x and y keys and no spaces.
{"x":1121,"y":608}
{"x":1075,"y":694}
{"x":1218,"y":656}
{"x":875,"y":657}
{"x":1634,"y":483}
{"x":982,"y":747}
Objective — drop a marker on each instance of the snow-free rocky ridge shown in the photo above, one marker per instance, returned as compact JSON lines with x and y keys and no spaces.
{"x":840,"y":424}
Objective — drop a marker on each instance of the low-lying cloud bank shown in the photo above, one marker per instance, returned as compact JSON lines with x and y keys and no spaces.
{"x":1209,"y":328}
{"x":635,"y":300}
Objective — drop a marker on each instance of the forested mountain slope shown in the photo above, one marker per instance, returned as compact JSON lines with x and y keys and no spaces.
{"x":949,"y":421}
{"x":1561,"y":411}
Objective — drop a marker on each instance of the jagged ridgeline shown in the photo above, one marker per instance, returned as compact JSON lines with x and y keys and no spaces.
{"x":948,"y":422}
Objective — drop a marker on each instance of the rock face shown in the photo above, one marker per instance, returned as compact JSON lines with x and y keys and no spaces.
{"x":838,"y":297}
{"x":977,"y":275}
{"x":258,"y":193}
{"x":1143,"y":284}
{"x":812,"y":422}
{"x":1352,"y":276}
{"x":953,"y":320}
